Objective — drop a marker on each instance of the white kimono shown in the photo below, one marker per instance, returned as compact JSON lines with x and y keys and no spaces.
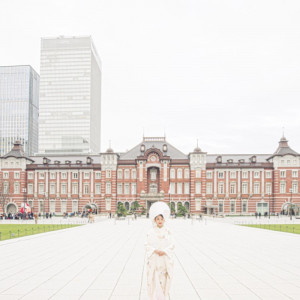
{"x":159,"y":268}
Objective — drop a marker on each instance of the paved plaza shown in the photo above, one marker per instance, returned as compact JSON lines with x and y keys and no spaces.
{"x":215,"y":259}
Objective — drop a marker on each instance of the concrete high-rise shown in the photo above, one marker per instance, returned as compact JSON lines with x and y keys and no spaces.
{"x":19,"y":108}
{"x":70,"y":96}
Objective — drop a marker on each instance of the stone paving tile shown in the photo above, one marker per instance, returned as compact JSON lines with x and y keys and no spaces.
{"x":215,"y":259}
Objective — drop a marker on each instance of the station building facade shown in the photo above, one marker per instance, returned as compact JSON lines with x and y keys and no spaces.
{"x":154,"y":170}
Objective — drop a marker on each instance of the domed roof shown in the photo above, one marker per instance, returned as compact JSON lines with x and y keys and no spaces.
{"x":109,"y":150}
{"x":197,"y":149}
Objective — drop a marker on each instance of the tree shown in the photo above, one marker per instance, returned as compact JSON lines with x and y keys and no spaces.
{"x":135,"y":206}
{"x":121,"y":211}
{"x":4,"y":194}
{"x":181,"y":210}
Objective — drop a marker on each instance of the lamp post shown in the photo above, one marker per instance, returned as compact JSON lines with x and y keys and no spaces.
{"x":44,"y":200}
{"x":24,"y":199}
{"x":291,"y":191}
{"x":269,"y":193}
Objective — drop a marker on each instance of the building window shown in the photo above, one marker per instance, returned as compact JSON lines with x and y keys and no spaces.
{"x":186,"y":188}
{"x":74,"y":206}
{"x":108,"y":188}
{"x":233,"y":174}
{"x":108,"y":204}
{"x":64,"y":175}
{"x":282,"y":174}
{"x":256,"y":174}
{"x":41,"y":188}
{"x":126,"y":188}
{"x":221,"y":188}
{"x":198,"y":173}
{"x":133,"y":173}
{"x":209,"y":174}
{"x":5,"y":175}
{"x":268,"y":174}
{"x":108,"y":173}
{"x":172,"y":188}
{"x":268,"y":188}
{"x":120,"y":188}
{"x":198,"y":204}
{"x":244,"y":188}
{"x":209,"y":188}
{"x":5,"y":188}
{"x":52,"y":188}
{"x":221,"y":174}
{"x":244,"y":206}
{"x":41,"y":175}
{"x":52,"y":206}
{"x":98,"y":189}
{"x":282,"y":187}
{"x":232,"y":188}
{"x":172,"y":174}
{"x":17,"y":175}
{"x":153,"y":173}
{"x":295,"y":187}
{"x":63,"y":188}
{"x":30,"y":189}
{"x":86,"y":189}
{"x":30,"y":175}
{"x":126,"y":174}
{"x":63,"y":206}
{"x":256,"y":187}
{"x":232,"y":206}
{"x":133,"y":188}
{"x":221,"y":207}
{"x":98,"y":175}
{"x":86,"y":175}
{"x":198,"y":187}
{"x":120,"y":174}
{"x":186,"y":173}
{"x":179,"y":188}
{"x":245,"y":174}
{"x":74,"y":188}
{"x":52,"y":175}
{"x":153,"y":188}
{"x":295,"y":173}
{"x":75,"y":175}
{"x":179,"y":173}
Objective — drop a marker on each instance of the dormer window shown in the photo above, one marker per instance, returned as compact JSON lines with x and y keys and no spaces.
{"x":241,"y":161}
{"x":68,"y":162}
{"x":219,"y":159}
{"x":230,"y":161}
{"x":78,"y":162}
{"x":253,"y":159}
{"x":88,"y":160}
{"x":57,"y":162}
{"x":143,"y":148}
{"x":45,"y":161}
{"x":165,"y":148}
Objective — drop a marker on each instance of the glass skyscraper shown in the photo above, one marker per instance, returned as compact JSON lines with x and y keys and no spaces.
{"x":19,"y":108}
{"x":70,"y":96}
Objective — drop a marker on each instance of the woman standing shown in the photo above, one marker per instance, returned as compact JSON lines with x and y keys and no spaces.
{"x":159,"y":252}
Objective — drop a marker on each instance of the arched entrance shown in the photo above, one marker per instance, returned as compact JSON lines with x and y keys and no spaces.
{"x":11,"y":208}
{"x":187,"y":206}
{"x":289,"y":208}
{"x":91,"y":207}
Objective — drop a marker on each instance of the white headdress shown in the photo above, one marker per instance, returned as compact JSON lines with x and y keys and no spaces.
{"x":159,"y":208}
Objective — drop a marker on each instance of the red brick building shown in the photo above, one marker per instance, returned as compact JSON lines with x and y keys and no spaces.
{"x":151,"y":171}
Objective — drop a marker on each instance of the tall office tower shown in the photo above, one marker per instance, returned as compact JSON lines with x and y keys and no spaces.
{"x":70,"y":96}
{"x":19,"y":108}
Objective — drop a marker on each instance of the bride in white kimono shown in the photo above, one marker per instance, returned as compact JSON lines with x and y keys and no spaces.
{"x":159,"y":252}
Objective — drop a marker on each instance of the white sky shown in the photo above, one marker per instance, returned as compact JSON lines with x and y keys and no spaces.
{"x":226,"y":72}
